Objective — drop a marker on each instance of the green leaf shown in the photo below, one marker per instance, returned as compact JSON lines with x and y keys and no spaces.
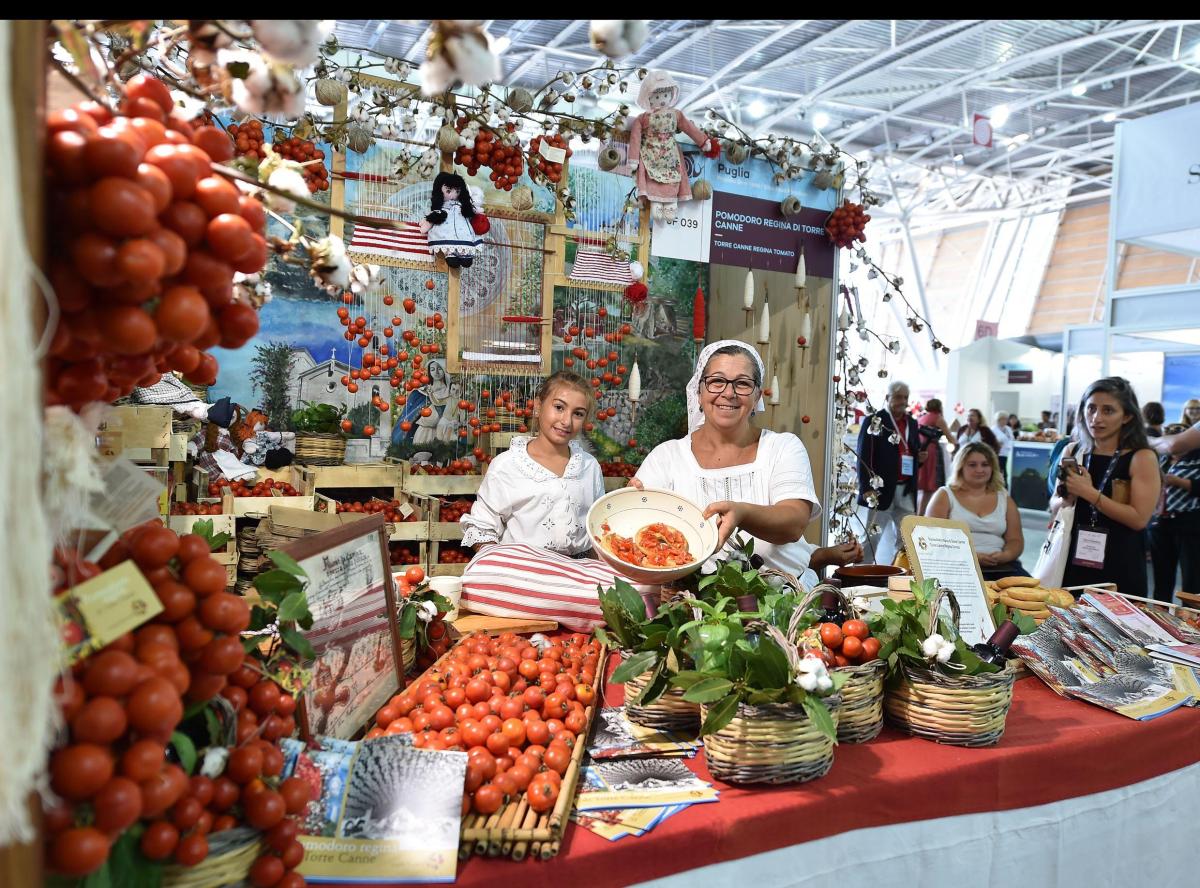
{"x":297,"y":642}
{"x":602,"y":636}
{"x":274,"y":585}
{"x":686,"y":678}
{"x":820,"y":716}
{"x":131,"y":868}
{"x":216,"y":734}
{"x":408,"y":621}
{"x":261,"y":617}
{"x":204,"y":528}
{"x":654,"y":689}
{"x":287,"y":563}
{"x":720,"y":715}
{"x":769,"y":665}
{"x":186,"y":750}
{"x":999,"y":613}
{"x":969,"y":659}
{"x":709,"y":690}
{"x":1025,"y":623}
{"x":631,"y":600}
{"x":250,"y":643}
{"x":218,"y":542}
{"x":238,"y":70}
{"x":634,"y":666}
{"x":654,"y":640}
{"x":293,"y":608}
{"x":758,"y":698}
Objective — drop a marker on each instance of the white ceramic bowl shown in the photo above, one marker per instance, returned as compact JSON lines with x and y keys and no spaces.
{"x":628,"y":510}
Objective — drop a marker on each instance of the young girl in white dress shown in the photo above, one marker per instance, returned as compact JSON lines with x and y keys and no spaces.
{"x":538,"y":492}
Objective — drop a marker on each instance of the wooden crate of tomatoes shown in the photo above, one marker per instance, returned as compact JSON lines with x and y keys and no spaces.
{"x":448,"y":559}
{"x":445,"y":515}
{"x":460,"y":478}
{"x":523,"y":715}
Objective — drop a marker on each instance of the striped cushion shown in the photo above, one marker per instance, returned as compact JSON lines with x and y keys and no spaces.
{"x":515,"y":580}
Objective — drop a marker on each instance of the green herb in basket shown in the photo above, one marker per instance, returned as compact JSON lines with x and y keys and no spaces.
{"x":756,"y":665}
{"x":911,"y":635}
{"x":317,"y":419}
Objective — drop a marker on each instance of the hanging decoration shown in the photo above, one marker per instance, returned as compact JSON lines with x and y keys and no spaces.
{"x":698,"y":318}
{"x":655,"y":158}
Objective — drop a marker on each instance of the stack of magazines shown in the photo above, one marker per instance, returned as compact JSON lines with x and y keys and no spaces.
{"x":634,"y":779}
{"x":1114,"y":654}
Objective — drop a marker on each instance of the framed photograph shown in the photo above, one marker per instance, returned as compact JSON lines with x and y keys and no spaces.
{"x":355,"y":633}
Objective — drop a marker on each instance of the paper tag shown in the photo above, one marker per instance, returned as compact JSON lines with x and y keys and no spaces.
{"x":906,"y":465}
{"x":552,"y":154}
{"x":1089,"y":548}
{"x":406,"y":509}
{"x":104,"y":608}
{"x":130,"y":496}
{"x":110,"y":442}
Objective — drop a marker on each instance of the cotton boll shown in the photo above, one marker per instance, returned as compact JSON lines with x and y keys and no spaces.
{"x":931,"y":645}
{"x":945,"y":652}
{"x":617,"y":37}
{"x":824,"y":683}
{"x":294,"y":41}
{"x":808,"y":681}
{"x":288,"y":180}
{"x":636,"y":270}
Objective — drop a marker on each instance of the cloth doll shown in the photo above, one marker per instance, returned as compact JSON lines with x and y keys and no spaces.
{"x":655,"y":157}
{"x":449,"y":223}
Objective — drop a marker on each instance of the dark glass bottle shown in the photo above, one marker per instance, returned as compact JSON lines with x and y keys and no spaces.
{"x":831,"y":608}
{"x":995,"y":649}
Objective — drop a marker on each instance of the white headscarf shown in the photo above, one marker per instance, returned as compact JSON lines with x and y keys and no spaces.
{"x":695,"y":414}
{"x":657,"y":80}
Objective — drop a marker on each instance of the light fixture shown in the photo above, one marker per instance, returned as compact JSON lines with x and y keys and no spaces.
{"x":820,"y":120}
{"x":1040,"y":131}
{"x":1109,"y":117}
{"x":958,"y":158}
{"x":1021,"y":138}
{"x":1078,"y":89}
{"x":1106,"y":85}
{"x":757,"y":108}
{"x":999,"y":115}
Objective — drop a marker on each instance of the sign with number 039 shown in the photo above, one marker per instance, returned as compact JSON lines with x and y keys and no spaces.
{"x":688,"y":236}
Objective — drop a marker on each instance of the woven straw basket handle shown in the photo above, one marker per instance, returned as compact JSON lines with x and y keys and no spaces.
{"x":935,"y":607}
{"x":815,"y":595}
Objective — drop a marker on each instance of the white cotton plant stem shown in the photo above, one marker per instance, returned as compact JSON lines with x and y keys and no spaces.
{"x":748,"y":291}
{"x":764,"y":324}
{"x":29,"y":642}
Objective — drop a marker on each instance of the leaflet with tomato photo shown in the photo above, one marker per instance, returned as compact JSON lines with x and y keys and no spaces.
{"x":1128,"y":618}
{"x":641,"y":783}
{"x":398,"y":816}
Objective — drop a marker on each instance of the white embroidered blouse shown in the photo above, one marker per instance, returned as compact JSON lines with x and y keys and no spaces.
{"x":780,"y":471}
{"x":521,"y":501}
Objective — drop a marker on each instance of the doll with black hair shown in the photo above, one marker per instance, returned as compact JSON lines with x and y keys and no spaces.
{"x":449,"y":225}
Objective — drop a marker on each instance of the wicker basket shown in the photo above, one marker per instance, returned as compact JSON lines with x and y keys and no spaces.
{"x":231,"y":853}
{"x":670,"y":712}
{"x":320,"y":448}
{"x":968,"y":710}
{"x":861,"y":717}
{"x":774,"y":743}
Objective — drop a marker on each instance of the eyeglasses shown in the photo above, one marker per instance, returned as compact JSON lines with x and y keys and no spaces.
{"x":716,"y":385}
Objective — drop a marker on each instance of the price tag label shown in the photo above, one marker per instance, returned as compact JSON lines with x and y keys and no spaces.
{"x":406,"y":509}
{"x":104,"y":608}
{"x":130,"y":496}
{"x":552,"y":154}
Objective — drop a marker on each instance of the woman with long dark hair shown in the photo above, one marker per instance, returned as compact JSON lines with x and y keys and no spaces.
{"x":448,"y":224}
{"x":1112,"y":476}
{"x":977,"y":430}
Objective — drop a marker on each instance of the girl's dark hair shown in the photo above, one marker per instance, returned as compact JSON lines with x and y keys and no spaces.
{"x":451,"y":180}
{"x":1133,"y":429}
{"x":739,"y":351}
{"x":933,"y":405}
{"x":988,"y":437}
{"x":564,"y":379}
{"x":1153,"y":413}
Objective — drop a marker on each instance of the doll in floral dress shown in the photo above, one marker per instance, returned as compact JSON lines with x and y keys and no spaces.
{"x":655,"y":158}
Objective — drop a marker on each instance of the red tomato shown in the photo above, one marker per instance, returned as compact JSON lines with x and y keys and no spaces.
{"x":855,"y":629}
{"x":831,"y":635}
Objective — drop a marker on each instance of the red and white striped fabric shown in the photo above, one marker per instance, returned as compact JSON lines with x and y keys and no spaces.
{"x":601,"y":268}
{"x":514,"y":580}
{"x":406,"y":243}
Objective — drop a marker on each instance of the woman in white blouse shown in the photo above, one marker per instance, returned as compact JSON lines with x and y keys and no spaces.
{"x":756,"y":481}
{"x":538,"y":492}
{"x":1004,"y":440}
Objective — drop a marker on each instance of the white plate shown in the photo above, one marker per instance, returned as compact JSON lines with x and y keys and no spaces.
{"x":628,"y":510}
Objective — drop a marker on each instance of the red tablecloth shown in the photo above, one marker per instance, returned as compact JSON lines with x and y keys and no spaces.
{"x":1052,"y":749}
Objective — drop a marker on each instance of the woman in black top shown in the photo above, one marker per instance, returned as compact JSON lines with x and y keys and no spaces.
{"x":1175,"y":534}
{"x":1114,"y":490}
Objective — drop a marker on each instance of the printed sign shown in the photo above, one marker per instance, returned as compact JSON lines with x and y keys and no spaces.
{"x":753,"y":232}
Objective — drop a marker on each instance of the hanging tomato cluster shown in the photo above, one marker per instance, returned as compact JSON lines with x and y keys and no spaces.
{"x":248,"y":139}
{"x":846,"y":224}
{"x":303,"y":151}
{"x":505,"y":161}
{"x":145,"y":240}
{"x":549,"y":169}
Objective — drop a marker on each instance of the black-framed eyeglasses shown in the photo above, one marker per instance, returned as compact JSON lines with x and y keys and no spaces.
{"x":716,"y":385}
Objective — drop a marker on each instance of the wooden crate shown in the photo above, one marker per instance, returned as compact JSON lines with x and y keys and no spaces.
{"x":442,"y":530}
{"x":134,"y":432}
{"x":515,"y":830}
{"x":182,"y":524}
{"x":439,"y":485}
{"x":257,"y":506}
{"x":316,"y":478}
{"x":397,"y":530}
{"x":434,"y":568}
